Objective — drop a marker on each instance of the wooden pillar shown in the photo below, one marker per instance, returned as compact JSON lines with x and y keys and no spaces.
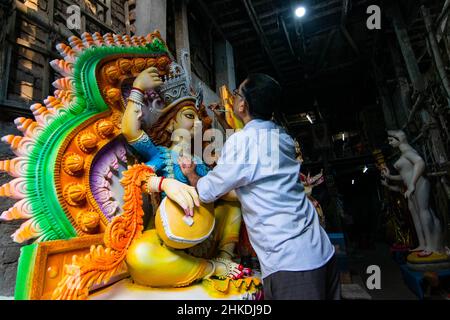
{"x":224,"y":65}
{"x":182,"y":31}
{"x":150,"y":16}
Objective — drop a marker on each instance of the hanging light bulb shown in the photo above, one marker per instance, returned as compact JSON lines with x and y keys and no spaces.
{"x":300,"y":11}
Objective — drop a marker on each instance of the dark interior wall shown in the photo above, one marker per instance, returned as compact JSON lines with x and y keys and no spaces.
{"x":201,"y":43}
{"x":32,"y":44}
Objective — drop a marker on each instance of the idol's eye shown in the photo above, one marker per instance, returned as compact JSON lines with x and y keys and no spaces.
{"x":189,"y":115}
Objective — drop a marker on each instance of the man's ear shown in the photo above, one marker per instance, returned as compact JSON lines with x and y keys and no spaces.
{"x":243,"y":107}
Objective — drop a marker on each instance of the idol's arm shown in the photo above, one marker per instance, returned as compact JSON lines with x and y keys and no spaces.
{"x":131,"y":125}
{"x":387,"y":174}
{"x":146,"y":80}
{"x":395,"y":178}
{"x":186,"y":196}
{"x":418,"y":170}
{"x":391,"y":187}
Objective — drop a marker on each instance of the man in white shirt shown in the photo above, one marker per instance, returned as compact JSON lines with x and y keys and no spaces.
{"x":259,"y":164}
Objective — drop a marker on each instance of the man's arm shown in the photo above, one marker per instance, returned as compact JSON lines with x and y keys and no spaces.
{"x":230,"y":173}
{"x":188,"y":169}
{"x":193,"y":177}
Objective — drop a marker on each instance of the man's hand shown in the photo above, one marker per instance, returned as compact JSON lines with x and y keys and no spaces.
{"x":187,"y":165}
{"x":148,"y":79}
{"x":218,"y":112}
{"x":188,"y":168}
{"x":186,"y":196}
{"x":215,"y":107}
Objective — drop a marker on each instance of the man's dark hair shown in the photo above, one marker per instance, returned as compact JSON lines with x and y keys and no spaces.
{"x":263,"y":95}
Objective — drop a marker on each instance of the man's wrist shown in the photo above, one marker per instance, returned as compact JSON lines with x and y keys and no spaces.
{"x":193,"y":178}
{"x":192,"y":174}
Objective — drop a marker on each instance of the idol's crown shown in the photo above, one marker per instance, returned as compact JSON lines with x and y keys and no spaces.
{"x":177,"y":84}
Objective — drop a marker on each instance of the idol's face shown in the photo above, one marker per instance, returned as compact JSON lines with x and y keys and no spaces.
{"x":186,"y":118}
{"x":393,"y":142}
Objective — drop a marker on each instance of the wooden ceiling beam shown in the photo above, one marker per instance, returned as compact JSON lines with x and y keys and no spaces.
{"x":264,"y":42}
{"x":233,"y":23}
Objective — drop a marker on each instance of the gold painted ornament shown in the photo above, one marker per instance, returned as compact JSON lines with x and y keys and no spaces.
{"x":75,"y":194}
{"x":88,"y":221}
{"x":73,"y":164}
{"x":104,"y":128}
{"x":87,"y":141}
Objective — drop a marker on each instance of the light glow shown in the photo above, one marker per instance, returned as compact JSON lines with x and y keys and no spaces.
{"x":309,"y":118}
{"x":300,"y":12}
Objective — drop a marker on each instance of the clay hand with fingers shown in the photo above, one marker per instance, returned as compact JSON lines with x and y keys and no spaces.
{"x":410,"y":191}
{"x":385,"y":173}
{"x":148,"y":79}
{"x":183,"y":194}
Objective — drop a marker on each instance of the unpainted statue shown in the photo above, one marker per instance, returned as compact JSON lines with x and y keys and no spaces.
{"x":411,"y":168}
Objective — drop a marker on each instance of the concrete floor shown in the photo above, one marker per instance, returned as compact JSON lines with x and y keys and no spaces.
{"x":392,"y":284}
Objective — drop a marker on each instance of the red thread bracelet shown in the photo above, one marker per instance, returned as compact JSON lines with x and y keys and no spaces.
{"x":138,"y":89}
{"x":160,"y":184}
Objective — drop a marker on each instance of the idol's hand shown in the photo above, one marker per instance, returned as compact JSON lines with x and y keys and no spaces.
{"x":187,"y":165}
{"x":186,"y":196}
{"x":410,"y":191}
{"x":148,"y":79}
{"x":385,"y":173}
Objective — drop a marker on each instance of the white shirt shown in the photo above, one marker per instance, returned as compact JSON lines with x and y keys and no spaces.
{"x":282,"y":224}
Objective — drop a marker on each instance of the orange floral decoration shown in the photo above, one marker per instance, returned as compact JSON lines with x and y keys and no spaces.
{"x":103,"y":262}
